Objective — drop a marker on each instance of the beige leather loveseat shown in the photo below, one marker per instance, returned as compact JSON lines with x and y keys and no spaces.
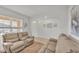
{"x":18,"y":41}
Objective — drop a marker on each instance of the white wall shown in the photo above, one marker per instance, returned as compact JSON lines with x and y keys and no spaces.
{"x":60,"y":15}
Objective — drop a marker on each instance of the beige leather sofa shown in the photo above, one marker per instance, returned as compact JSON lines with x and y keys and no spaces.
{"x":19,"y":41}
{"x":67,"y":44}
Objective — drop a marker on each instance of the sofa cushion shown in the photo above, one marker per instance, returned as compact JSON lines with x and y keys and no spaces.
{"x":11,"y":37}
{"x":28,"y":41}
{"x":52,"y":45}
{"x":16,"y":45}
{"x":22,"y":35}
{"x":53,"y":39}
{"x":23,"y":38}
{"x":12,"y":40}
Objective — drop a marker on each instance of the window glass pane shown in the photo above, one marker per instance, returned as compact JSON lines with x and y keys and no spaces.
{"x":4,"y":23}
{"x":14,"y":23}
{"x":7,"y":26}
{"x":2,"y":30}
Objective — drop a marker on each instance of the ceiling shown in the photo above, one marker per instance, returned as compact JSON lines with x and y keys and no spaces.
{"x":39,"y":10}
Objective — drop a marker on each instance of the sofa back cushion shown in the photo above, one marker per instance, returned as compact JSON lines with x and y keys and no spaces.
{"x":53,"y":39}
{"x":11,"y":37}
{"x":22,"y":35}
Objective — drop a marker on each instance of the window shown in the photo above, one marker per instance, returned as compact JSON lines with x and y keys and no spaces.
{"x":9,"y":25}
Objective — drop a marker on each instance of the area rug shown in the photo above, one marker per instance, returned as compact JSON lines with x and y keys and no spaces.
{"x":34,"y":48}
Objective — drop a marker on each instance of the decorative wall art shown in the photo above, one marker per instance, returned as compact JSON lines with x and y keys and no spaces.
{"x":50,"y":25}
{"x":75,"y":21}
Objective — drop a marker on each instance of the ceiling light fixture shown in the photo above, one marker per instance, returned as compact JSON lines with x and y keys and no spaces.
{"x":34,"y":21}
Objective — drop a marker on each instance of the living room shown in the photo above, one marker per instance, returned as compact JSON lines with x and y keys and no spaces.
{"x":39,"y":29}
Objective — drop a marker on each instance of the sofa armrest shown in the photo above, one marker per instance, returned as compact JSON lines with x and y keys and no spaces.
{"x":30,"y":37}
{"x":7,"y":46}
